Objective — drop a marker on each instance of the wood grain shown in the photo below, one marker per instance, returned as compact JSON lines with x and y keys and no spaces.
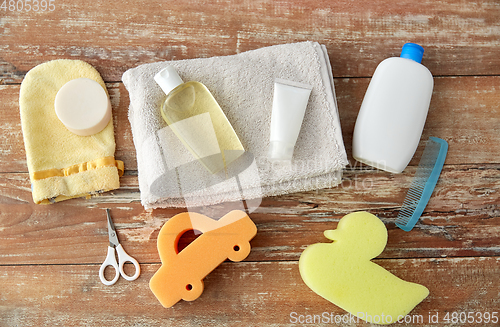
{"x":236,"y":294}
{"x":460,"y":37}
{"x":50,"y":255}
{"x":462,"y":219}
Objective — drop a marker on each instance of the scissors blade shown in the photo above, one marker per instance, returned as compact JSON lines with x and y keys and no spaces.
{"x":113,"y":238}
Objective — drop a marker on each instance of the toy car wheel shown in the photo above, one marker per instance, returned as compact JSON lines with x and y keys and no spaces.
{"x":239,"y":252}
{"x":193,"y":290}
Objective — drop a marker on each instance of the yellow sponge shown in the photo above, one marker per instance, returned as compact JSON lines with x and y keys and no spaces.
{"x":342,"y":272}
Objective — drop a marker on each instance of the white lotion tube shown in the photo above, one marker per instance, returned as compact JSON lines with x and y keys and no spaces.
{"x":289,"y":106}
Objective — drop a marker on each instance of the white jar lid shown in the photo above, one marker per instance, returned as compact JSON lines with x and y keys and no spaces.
{"x":83,"y":106}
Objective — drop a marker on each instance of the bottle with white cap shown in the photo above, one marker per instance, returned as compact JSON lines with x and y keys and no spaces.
{"x":393,"y":111}
{"x":196,"y":118}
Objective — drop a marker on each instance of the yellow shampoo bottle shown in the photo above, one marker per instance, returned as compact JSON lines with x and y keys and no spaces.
{"x":196,"y":118}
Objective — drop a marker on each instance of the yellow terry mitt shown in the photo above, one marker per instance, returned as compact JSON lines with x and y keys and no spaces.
{"x":63,"y":165}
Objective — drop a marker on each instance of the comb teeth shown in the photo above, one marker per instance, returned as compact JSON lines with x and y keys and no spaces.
{"x":423,"y":183}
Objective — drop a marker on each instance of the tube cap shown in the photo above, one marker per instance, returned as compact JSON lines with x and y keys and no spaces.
{"x":83,"y":106}
{"x":280,"y":151}
{"x":168,"y":79}
{"x":412,"y":51}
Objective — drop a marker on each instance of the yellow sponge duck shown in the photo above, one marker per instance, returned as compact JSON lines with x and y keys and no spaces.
{"x":342,"y":272}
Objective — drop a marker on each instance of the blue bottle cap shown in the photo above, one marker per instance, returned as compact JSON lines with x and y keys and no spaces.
{"x":412,"y":51}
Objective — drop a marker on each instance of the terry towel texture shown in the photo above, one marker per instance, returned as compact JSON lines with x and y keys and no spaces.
{"x":243,"y":85}
{"x":63,"y":165}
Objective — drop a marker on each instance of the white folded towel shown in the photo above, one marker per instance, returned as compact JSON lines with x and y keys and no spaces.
{"x":243,"y":85}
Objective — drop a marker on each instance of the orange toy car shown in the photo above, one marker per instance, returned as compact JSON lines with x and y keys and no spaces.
{"x":181,"y":274}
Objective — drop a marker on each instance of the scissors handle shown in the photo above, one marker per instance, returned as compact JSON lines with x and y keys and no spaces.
{"x":124,"y":257}
{"x":110,"y":261}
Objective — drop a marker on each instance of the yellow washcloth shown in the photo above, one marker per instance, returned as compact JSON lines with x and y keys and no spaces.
{"x":63,"y":165}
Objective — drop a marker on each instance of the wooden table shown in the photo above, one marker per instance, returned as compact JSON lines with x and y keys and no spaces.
{"x":50,"y":255}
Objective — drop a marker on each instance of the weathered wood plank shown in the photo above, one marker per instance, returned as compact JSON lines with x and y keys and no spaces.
{"x":462,"y":112}
{"x":236,"y":294}
{"x":460,"y":37}
{"x":50,"y":255}
{"x":461,"y":219}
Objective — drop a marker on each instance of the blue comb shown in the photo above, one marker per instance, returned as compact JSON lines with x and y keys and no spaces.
{"x":423,"y":183}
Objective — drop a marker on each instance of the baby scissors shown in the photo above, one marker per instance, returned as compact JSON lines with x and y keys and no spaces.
{"x":111,"y":258}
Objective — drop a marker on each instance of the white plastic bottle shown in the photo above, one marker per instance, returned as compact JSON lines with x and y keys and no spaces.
{"x":393,"y":112}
